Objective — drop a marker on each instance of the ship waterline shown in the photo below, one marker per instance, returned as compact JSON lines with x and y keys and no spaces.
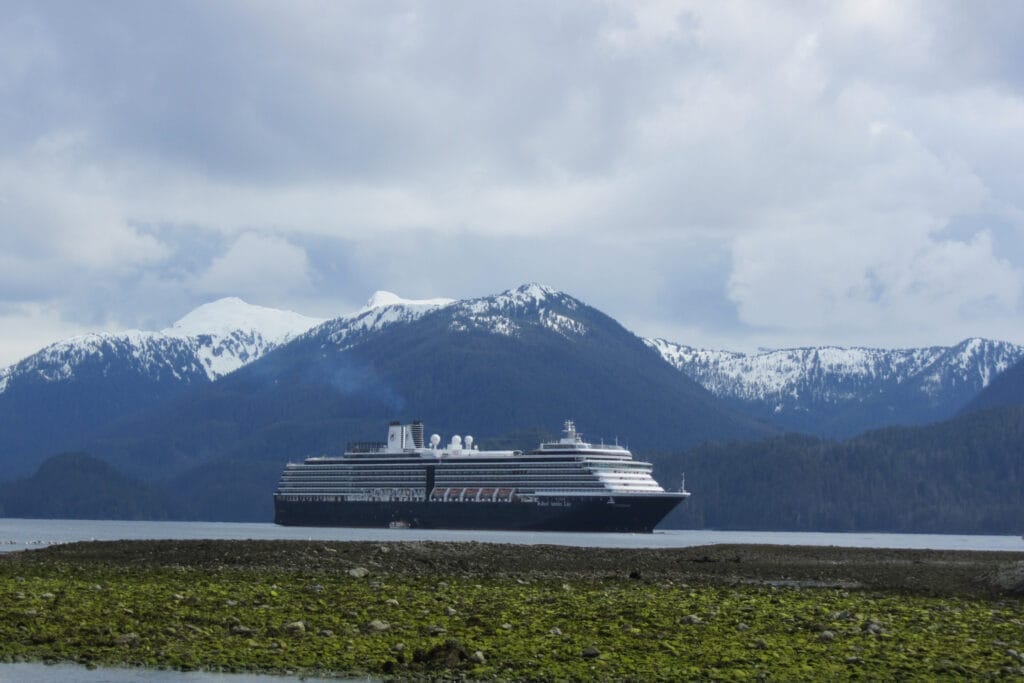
{"x":566,"y":485}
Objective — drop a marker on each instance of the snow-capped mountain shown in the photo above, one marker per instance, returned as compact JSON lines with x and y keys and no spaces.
{"x":383,"y":309}
{"x":78,"y":386}
{"x":837,"y":390}
{"x":506,"y":314}
{"x":211,"y":341}
{"x":228,"y":333}
{"x":518,"y":361}
{"x":529,"y":305}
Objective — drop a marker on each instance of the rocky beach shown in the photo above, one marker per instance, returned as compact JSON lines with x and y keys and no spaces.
{"x":488,"y":611}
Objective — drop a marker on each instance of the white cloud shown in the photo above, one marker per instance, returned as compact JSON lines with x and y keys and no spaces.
{"x":257,"y":267}
{"x":828,"y":149}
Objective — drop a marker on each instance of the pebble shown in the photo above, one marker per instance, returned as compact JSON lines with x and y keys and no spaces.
{"x":450,"y":611}
{"x":507,"y":626}
{"x":128,"y":638}
{"x":873,"y":627}
{"x":398,"y":647}
{"x":391,"y":602}
{"x":742,"y":627}
{"x":326,"y":633}
{"x":295,"y":627}
{"x":555,"y":631}
{"x":759,"y":644}
{"x":358,"y":572}
{"x":477,"y":657}
{"x":378,"y":625}
{"x":591,"y":653}
{"x":692,"y":619}
{"x":826,"y":636}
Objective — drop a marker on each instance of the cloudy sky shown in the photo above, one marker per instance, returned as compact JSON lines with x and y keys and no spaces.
{"x":721,"y":174}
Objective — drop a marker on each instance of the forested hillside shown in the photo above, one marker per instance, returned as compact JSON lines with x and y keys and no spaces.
{"x":79,"y":486}
{"x":1007,"y":389}
{"x":964,"y":475}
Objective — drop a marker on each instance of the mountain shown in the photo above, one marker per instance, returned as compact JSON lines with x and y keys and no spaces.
{"x":963,"y":475}
{"x":1005,"y":390}
{"x":79,"y":486}
{"x":55,"y":398}
{"x":522,"y":360}
{"x":836,"y":391}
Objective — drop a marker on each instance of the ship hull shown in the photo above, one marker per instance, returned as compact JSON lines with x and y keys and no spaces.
{"x":628,"y":514}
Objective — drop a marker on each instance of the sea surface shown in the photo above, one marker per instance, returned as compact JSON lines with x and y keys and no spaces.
{"x":73,"y":673}
{"x":25,"y":534}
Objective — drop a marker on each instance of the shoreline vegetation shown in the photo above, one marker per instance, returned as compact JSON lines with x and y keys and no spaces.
{"x":489,"y":611}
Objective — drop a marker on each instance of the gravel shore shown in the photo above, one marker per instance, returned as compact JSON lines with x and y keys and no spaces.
{"x":921,"y":572}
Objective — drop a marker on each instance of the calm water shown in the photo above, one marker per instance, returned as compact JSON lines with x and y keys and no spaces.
{"x":72,"y":673}
{"x":22,"y":534}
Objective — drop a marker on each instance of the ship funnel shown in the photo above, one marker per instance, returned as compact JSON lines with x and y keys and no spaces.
{"x":417,"y":434}
{"x":396,"y":437}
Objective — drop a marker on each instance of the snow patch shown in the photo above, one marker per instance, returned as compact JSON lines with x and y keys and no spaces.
{"x":229,"y":315}
{"x":382,"y":299}
{"x":563,"y":325}
{"x":494,"y":324}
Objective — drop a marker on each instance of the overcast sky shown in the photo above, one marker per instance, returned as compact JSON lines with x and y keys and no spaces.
{"x":721,"y":174}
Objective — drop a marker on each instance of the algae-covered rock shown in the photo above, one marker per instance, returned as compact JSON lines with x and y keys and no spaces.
{"x":294,"y":627}
{"x":449,"y":654}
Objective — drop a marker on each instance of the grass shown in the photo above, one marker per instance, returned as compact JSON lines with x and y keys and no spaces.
{"x":614,"y":628}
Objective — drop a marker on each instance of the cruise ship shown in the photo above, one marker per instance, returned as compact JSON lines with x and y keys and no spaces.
{"x":564,"y":485}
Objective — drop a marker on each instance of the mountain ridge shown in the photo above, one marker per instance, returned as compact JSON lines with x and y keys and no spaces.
{"x":841,"y":391}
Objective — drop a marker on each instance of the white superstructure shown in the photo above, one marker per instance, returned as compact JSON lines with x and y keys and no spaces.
{"x":460,"y":471}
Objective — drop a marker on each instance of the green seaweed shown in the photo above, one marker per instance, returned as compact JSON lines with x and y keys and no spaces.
{"x":411,"y":626}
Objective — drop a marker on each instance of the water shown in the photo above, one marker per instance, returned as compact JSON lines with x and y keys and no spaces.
{"x":23,"y":534}
{"x":72,"y":673}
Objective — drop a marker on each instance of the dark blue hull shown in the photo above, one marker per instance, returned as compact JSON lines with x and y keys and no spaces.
{"x":630,"y":514}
